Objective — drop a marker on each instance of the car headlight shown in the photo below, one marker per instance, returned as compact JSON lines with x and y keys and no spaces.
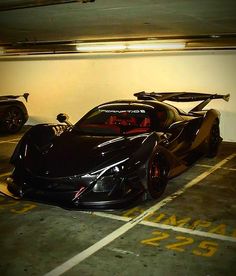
{"x":114,"y":170}
{"x":111,"y":169}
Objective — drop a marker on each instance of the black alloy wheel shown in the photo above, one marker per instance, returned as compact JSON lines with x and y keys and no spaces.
{"x":157,"y":176}
{"x":13,"y":120}
{"x":214,"y":140}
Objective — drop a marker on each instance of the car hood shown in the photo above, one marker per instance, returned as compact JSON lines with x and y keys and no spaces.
{"x":74,"y":154}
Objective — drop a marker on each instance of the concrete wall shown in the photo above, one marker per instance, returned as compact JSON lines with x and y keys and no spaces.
{"x":74,"y":84}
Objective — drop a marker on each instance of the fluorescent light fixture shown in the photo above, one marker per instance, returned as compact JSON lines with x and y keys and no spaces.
{"x":156,"y":46}
{"x":129,"y":46}
{"x":100,"y":47}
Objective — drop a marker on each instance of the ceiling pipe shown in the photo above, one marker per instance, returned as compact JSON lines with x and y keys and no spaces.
{"x":36,"y":4}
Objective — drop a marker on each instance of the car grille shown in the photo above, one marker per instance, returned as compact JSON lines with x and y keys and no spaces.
{"x":57,"y":183}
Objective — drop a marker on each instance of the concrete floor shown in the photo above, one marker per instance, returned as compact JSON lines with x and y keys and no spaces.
{"x":191,"y":230}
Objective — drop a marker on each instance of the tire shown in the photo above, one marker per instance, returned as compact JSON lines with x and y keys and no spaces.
{"x":13,"y":120}
{"x":214,"y":140}
{"x":157,"y":176}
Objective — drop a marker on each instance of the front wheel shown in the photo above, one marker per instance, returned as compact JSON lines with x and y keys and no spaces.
{"x":214,"y":140}
{"x":157,"y":176}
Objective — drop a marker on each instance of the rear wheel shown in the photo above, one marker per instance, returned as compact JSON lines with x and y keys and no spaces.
{"x":13,"y":120}
{"x":214,"y":140}
{"x":157,"y":176}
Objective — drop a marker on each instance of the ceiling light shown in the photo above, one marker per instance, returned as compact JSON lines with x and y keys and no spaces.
{"x":214,"y":36}
{"x":152,"y":46}
{"x":100,"y":47}
{"x":129,"y":46}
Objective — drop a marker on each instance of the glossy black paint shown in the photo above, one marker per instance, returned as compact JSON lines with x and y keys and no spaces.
{"x":109,"y":165}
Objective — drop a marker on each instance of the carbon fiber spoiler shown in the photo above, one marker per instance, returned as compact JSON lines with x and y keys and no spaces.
{"x":182,"y":97}
{"x":9,"y":97}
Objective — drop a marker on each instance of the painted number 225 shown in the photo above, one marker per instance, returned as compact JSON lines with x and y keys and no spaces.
{"x":204,"y":248}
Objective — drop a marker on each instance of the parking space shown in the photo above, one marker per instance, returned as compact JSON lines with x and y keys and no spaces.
{"x":190,"y":230}
{"x":30,"y":230}
{"x":150,"y":251}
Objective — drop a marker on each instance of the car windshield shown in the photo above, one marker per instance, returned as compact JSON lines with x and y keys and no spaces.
{"x":115,"y":120}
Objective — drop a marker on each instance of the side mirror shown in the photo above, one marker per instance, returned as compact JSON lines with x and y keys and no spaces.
{"x":63,"y":118}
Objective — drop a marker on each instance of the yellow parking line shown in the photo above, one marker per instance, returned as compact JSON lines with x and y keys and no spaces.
{"x":168,"y":227}
{"x":210,"y":166}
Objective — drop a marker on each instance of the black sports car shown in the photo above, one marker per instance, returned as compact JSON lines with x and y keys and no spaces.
{"x":118,"y":152}
{"x":13,"y":113}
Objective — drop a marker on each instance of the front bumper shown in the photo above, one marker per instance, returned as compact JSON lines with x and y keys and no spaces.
{"x":106,"y":193}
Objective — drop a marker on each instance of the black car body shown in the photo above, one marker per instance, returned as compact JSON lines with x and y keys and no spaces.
{"x":13,"y":113}
{"x":117,"y":153}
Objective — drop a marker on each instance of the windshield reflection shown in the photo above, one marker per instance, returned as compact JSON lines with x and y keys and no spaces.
{"x":116,"y":120}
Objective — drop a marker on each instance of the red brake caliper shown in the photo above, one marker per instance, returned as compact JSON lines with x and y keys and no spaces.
{"x":156,"y":171}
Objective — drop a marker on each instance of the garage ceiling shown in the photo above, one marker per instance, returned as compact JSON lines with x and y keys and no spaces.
{"x":57,"y":25}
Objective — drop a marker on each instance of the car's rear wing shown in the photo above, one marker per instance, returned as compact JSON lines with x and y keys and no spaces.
{"x":182,"y":97}
{"x":9,"y":97}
